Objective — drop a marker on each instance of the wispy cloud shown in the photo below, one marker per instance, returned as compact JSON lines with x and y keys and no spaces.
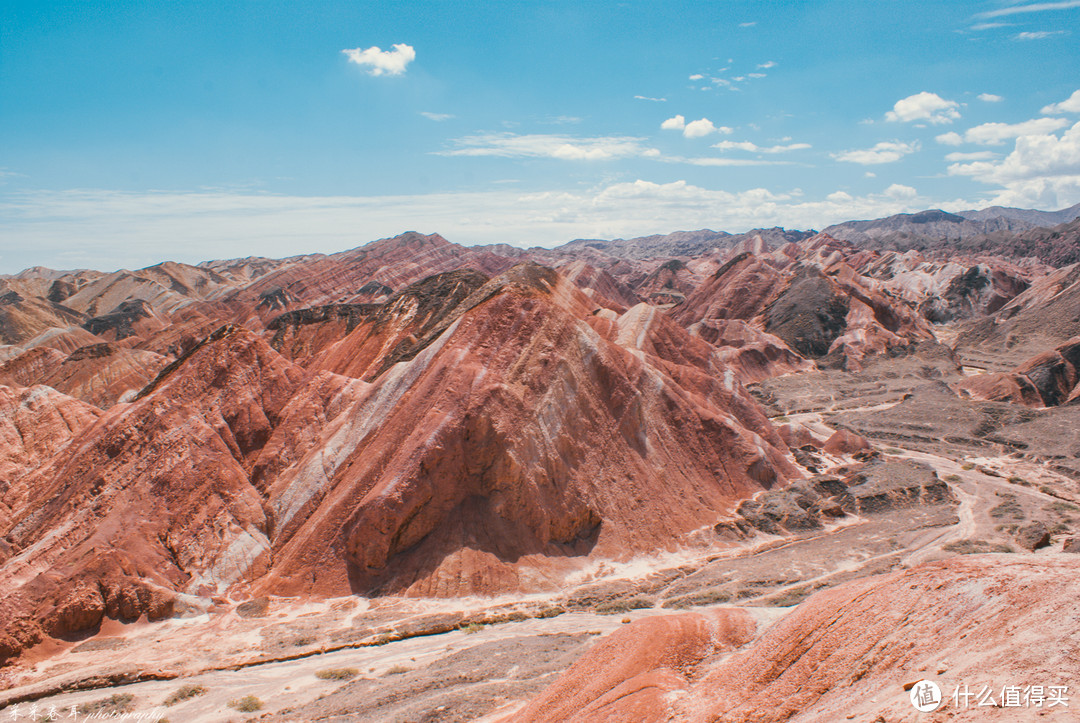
{"x":1038,"y":35}
{"x":990,"y":26}
{"x":994,"y":134}
{"x":748,"y":25}
{"x":924,"y":107}
{"x":884,"y":152}
{"x":754,"y":148}
{"x":438,"y":117}
{"x":563,"y":147}
{"x":976,"y":156}
{"x":1032,"y":8}
{"x":767,"y":64}
{"x":383,"y":62}
{"x":1069,"y":105}
{"x":654,"y":100}
{"x":109,"y":229}
{"x":989,"y":98}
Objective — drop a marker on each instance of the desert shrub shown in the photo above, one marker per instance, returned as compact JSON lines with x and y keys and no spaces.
{"x":337,"y":673}
{"x":974,"y":547}
{"x":247,"y":704}
{"x":183,"y":693}
{"x":113,"y":705}
{"x":398,"y":670}
{"x":551,"y":612}
{"x":787,"y":598}
{"x":615,"y":607}
{"x":953,"y":478}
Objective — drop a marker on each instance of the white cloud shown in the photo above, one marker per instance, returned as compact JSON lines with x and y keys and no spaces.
{"x":1042,"y":170}
{"x":436,"y":116}
{"x":994,"y":134}
{"x":383,"y":62}
{"x":1069,"y":105}
{"x":768,"y":64}
{"x":884,"y":152}
{"x":990,"y":98}
{"x":747,"y":25}
{"x":702,"y":127}
{"x":1038,"y":35}
{"x":675,"y":123}
{"x":755,"y":75}
{"x":654,"y":100}
{"x":924,"y":106}
{"x":1032,"y":8}
{"x":109,"y":229}
{"x":976,"y":156}
{"x":901,"y":192}
{"x":694,"y":129}
{"x":989,"y":26}
{"x":754,"y":148}
{"x":870,"y":174}
{"x":696,"y":76}
{"x":509,"y":145}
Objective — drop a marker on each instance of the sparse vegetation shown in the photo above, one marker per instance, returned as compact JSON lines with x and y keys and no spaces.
{"x":473,"y":628}
{"x":551,"y":612}
{"x":953,"y":478}
{"x":892,"y":450}
{"x":113,"y":705}
{"x":337,"y":673}
{"x":616,"y":607}
{"x":706,"y":597}
{"x":967,"y":466}
{"x":247,"y":704}
{"x":1008,"y":508}
{"x":975,"y":547}
{"x":1064,"y":507}
{"x":787,"y":598}
{"x":398,"y":670}
{"x":183,"y":693}
{"x":1019,"y":481}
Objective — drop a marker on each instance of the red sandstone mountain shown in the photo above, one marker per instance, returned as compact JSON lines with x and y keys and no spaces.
{"x":809,"y":296}
{"x":509,"y":430}
{"x":1046,"y":380}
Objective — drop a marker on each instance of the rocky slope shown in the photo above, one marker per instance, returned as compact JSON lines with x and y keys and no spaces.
{"x":508,"y":431}
{"x":844,"y":653}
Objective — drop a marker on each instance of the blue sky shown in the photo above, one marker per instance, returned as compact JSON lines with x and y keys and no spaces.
{"x":132,"y":132}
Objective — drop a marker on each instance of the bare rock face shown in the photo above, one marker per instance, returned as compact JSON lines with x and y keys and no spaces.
{"x":180,"y":457}
{"x":843,"y":653}
{"x":1048,"y":379}
{"x":631,"y":674}
{"x":844,"y":442}
{"x":810,"y":296}
{"x":35,"y":424}
{"x":1033,"y":536}
{"x":100,"y":374}
{"x":508,"y":444}
{"x":1043,"y":317}
{"x":508,"y":431}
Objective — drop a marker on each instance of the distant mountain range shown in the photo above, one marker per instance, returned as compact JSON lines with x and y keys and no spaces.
{"x":926,"y":229}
